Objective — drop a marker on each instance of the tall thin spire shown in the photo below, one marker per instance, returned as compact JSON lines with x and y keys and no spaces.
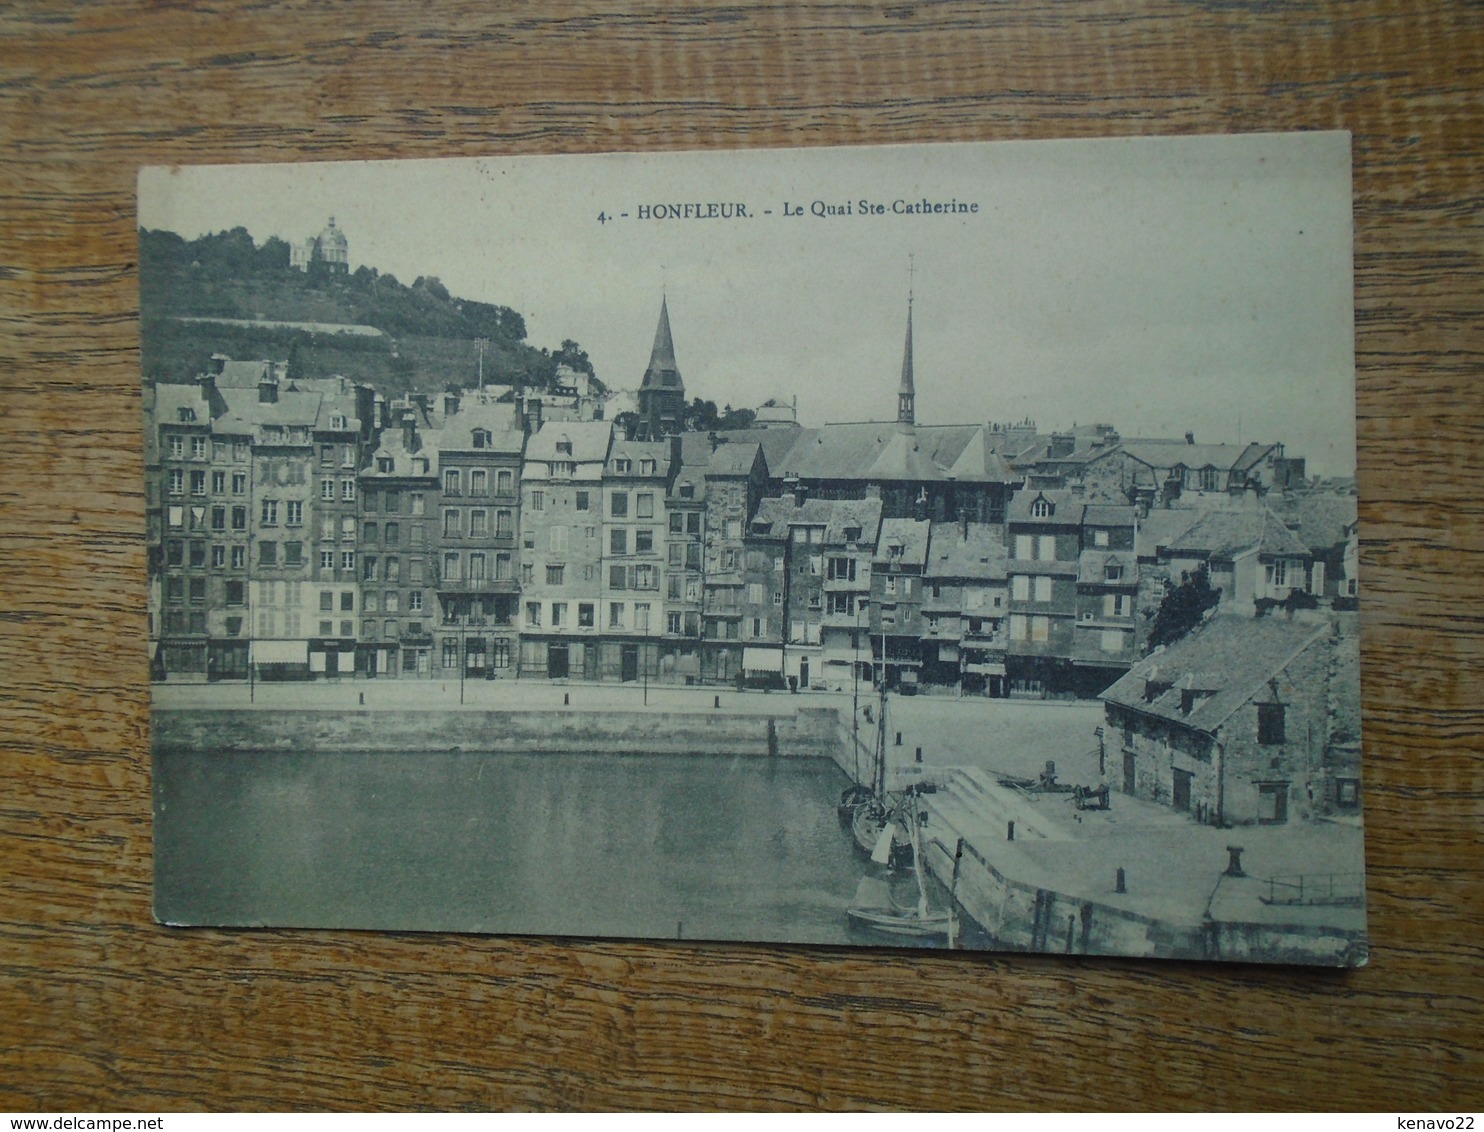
{"x":906,"y":394}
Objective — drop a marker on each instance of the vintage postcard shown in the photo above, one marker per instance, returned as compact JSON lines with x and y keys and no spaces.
{"x":947,"y":546}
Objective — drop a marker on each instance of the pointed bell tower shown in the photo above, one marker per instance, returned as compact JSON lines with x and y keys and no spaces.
{"x":662,"y":392}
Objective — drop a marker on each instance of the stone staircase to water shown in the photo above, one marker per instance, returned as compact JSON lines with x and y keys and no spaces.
{"x":972,"y":804}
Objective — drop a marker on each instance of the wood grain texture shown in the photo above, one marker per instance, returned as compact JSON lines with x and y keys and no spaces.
{"x":105,"y":1010}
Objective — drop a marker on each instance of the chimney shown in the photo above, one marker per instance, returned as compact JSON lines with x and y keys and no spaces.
{"x":450,"y":404}
{"x":533,"y":415}
{"x":409,"y":431}
{"x":268,"y":387}
{"x":1190,"y":438}
{"x":963,"y":526}
{"x":791,"y":482}
{"x":1063,"y":444}
{"x":216,"y":405}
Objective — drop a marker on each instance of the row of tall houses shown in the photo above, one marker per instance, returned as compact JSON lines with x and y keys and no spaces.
{"x":308,"y":528}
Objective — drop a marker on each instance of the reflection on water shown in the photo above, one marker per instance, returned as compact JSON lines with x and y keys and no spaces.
{"x":703,"y":847}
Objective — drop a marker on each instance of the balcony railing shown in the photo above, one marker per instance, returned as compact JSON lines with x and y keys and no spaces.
{"x":1316,"y":888}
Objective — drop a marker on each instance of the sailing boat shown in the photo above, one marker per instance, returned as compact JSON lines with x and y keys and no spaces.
{"x":877,"y":819}
{"x":921,"y":921}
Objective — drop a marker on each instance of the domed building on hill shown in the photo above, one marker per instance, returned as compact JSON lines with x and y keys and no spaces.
{"x":330,"y":247}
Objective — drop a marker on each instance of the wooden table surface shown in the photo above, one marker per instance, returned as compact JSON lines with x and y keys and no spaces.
{"x":103,"y":1010}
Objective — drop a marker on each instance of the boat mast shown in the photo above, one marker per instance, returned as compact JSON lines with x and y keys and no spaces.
{"x":922,"y":895}
{"x":880,"y":783}
{"x":855,"y":698}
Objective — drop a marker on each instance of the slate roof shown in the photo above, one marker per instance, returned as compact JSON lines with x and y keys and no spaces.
{"x":170,"y":399}
{"x":1108,"y":515}
{"x":910,"y":534}
{"x":695,"y":455}
{"x":1231,"y":657}
{"x":1168,"y":453}
{"x":391,"y":447}
{"x":497,"y":419}
{"x":733,"y":458}
{"x":1222,"y":534}
{"x":1066,"y":509}
{"x":980,"y":461}
{"x":1321,"y":520}
{"x":244,"y":410}
{"x":978,"y":554}
{"x":636,"y":450}
{"x":1092,"y":567}
{"x":590,"y":441}
{"x":879,"y":450}
{"x":1159,"y":529}
{"x":775,"y":516}
{"x":337,"y":398}
{"x":243,"y":374}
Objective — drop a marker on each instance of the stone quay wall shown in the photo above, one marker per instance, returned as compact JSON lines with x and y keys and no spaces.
{"x":797,"y":732}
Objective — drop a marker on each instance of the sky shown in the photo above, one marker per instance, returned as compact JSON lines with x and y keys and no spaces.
{"x":1162,"y":285}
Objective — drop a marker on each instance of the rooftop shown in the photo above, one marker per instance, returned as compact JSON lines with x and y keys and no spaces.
{"x":910,"y":535}
{"x":1222,"y":534}
{"x":966,"y":550}
{"x":1231,"y":658}
{"x":775,"y":516}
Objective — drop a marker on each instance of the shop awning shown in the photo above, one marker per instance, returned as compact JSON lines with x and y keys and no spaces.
{"x":280,"y":652}
{"x":990,"y":669}
{"x":762,"y":660}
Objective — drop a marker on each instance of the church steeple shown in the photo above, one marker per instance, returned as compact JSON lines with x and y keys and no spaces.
{"x":662,"y":392}
{"x":663,"y":373}
{"x":906,"y":394}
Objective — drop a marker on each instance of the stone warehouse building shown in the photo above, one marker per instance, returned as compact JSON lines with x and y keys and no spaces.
{"x":1247,"y":720}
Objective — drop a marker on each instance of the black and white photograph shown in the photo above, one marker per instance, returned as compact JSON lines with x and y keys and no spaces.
{"x":947,"y":546}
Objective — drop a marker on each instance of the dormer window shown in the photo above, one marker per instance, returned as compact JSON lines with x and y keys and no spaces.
{"x":564,"y":447}
{"x":647,"y":467}
{"x":687,"y":491}
{"x":339,"y":422}
{"x":1153,"y":689}
{"x":1192,"y":698}
{"x":482,"y":438}
{"x":1041,"y":509}
{"x":187,"y":414}
{"x":385,"y":464}
{"x":852,"y":534}
{"x":1112,"y":572}
{"x":623,"y":467}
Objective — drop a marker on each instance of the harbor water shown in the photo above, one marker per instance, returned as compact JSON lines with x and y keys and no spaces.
{"x":638,"y":846}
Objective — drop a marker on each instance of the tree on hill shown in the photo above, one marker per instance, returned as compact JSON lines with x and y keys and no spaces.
{"x":1185,"y":606}
{"x":227,"y":275}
